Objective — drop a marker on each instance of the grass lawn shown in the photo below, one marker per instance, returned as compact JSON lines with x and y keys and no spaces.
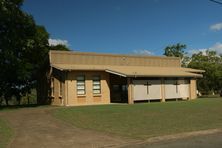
{"x":147,"y":119}
{"x":5,"y":133}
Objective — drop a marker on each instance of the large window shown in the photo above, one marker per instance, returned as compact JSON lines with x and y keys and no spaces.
{"x":96,"y":85}
{"x":60,"y":89}
{"x":52,"y":87}
{"x":81,"y":89}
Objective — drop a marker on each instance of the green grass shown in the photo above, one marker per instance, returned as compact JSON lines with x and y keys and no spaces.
{"x":6,"y":133}
{"x":147,"y":119}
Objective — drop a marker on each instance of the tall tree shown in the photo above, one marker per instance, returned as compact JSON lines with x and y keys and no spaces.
{"x":177,"y":51}
{"x":23,"y":50}
{"x":212,"y":64}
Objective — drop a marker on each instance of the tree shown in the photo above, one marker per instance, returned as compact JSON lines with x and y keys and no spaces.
{"x":212,"y":64}
{"x":177,"y":51}
{"x":59,"y":47}
{"x":23,"y":50}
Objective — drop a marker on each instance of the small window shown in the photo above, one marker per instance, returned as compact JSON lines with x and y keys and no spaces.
{"x":96,"y":85}
{"x":81,"y":85}
{"x":52,"y":86}
{"x":60,"y":88}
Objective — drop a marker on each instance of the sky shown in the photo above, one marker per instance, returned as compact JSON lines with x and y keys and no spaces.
{"x":130,"y":26}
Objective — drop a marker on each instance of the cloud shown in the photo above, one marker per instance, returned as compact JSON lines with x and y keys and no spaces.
{"x":142,"y":52}
{"x":54,"y":42}
{"x":216,"y":47}
{"x":216,"y":27}
{"x":195,"y":51}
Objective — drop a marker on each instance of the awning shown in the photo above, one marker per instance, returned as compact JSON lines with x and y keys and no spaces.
{"x":134,"y":71}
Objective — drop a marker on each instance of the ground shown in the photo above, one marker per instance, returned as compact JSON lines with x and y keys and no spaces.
{"x":36,"y":127}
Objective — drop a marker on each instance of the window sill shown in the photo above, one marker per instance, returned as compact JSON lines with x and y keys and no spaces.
{"x":81,"y":96}
{"x":97,"y":95}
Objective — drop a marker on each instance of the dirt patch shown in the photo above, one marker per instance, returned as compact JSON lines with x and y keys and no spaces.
{"x":35,"y":127}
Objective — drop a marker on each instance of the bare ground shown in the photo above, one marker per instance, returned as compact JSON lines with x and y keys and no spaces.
{"x":36,"y":128}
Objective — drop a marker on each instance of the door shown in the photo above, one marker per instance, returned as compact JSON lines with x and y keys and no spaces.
{"x":146,"y":89}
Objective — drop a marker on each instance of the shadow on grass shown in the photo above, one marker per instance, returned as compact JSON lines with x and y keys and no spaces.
{"x":14,"y":107}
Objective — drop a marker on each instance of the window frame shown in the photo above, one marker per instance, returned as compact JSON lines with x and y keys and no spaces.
{"x":60,"y":88}
{"x":52,"y":87}
{"x":80,"y":83}
{"x":96,"y":78}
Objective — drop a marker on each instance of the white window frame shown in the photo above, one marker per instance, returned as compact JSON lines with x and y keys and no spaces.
{"x":52,"y":87}
{"x":80,"y":85}
{"x":96,"y":85}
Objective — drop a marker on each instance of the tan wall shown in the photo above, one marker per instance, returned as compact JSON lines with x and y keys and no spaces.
{"x":56,"y":99}
{"x":89,"y":98}
{"x":64,"y":57}
{"x":193,"y":89}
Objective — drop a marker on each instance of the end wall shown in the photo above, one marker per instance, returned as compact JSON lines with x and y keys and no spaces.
{"x":89,"y":98}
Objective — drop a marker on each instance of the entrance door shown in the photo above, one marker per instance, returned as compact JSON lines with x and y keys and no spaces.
{"x":146,"y":89}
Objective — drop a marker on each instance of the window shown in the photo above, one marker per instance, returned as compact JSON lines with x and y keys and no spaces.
{"x":52,"y":86}
{"x":96,"y":85}
{"x":60,"y":88}
{"x":81,"y":90}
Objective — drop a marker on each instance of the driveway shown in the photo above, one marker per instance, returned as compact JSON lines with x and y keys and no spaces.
{"x":36,"y":128}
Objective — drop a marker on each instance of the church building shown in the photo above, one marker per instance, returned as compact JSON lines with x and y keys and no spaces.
{"x":79,"y":78}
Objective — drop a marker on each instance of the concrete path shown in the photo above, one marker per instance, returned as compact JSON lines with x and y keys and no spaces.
{"x":36,"y":128}
{"x":213,"y":140}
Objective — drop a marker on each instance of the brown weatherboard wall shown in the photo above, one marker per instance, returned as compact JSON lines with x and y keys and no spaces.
{"x":89,"y":98}
{"x":62,"y":57}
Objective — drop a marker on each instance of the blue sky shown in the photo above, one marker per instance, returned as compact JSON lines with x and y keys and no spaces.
{"x":130,"y":26}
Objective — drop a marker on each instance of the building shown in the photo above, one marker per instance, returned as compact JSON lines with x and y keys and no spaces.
{"x":79,"y":78}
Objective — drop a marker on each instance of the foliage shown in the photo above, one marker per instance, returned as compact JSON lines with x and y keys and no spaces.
{"x":146,"y":120}
{"x":177,"y":51}
{"x":23,"y":50}
{"x":59,"y":47}
{"x":212,"y":64}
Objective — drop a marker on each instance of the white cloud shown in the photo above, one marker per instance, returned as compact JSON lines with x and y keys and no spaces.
{"x":194,"y":51}
{"x":54,"y":42}
{"x":142,"y":52}
{"x":216,"y":47}
{"x":216,"y":27}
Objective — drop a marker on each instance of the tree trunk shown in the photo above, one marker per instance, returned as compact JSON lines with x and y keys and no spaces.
{"x":6,"y":101}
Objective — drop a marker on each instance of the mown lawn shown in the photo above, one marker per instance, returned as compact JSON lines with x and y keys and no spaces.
{"x":147,"y":119}
{"x":5,"y":133}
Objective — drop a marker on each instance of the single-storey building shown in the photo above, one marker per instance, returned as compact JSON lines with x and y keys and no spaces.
{"x":79,"y":78}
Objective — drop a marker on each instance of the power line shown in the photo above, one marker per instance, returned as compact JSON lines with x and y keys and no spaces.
{"x":216,"y":1}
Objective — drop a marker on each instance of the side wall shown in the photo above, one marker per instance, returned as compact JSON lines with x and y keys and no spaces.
{"x":57,"y":92}
{"x":89,"y":98}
